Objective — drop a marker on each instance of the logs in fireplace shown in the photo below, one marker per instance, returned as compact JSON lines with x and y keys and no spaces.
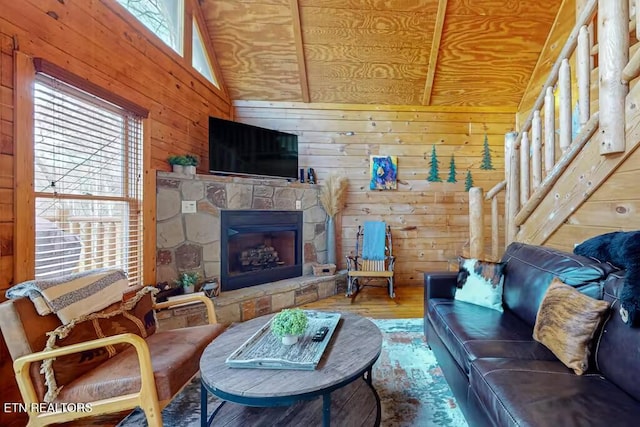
{"x":260,"y":257}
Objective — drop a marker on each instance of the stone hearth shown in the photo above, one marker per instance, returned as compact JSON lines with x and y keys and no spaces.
{"x":247,"y":303}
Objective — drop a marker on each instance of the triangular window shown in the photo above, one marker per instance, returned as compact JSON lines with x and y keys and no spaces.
{"x":199,"y":57}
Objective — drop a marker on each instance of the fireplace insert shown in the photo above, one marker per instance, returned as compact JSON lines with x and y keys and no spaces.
{"x":259,"y":246}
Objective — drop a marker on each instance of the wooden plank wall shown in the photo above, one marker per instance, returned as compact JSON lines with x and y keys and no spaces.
{"x":429,"y":220}
{"x":101,"y":42}
{"x":6,"y":161}
{"x":8,"y":389}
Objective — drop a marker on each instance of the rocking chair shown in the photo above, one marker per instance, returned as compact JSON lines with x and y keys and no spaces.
{"x":373,"y":258}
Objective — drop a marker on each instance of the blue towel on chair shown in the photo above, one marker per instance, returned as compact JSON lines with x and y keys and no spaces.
{"x":373,"y":241}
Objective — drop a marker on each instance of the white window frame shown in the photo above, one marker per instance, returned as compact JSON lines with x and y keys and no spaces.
{"x":25,"y":69}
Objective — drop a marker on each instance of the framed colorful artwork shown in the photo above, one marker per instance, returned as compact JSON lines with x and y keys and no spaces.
{"x":384,"y":172}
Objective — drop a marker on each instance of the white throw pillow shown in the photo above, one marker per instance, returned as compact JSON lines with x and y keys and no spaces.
{"x":480,"y":283}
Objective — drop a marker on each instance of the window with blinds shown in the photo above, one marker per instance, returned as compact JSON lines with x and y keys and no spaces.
{"x":87,"y":183}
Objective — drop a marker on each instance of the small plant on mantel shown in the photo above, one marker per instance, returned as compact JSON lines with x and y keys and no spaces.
{"x":188,"y":281}
{"x":183,"y":164}
{"x":289,"y":324}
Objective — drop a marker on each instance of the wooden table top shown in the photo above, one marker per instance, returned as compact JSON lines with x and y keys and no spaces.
{"x":354,"y":347}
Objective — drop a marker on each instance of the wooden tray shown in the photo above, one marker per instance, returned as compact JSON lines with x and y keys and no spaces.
{"x":266,"y":351}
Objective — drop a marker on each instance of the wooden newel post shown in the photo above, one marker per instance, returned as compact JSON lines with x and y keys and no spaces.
{"x":613,"y":28}
{"x":476,"y":223}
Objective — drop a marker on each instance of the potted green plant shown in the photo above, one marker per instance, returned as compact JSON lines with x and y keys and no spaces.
{"x":184,"y":164}
{"x":188,"y":281}
{"x":289,"y":324}
{"x":178,"y":163}
{"x":190,"y":165}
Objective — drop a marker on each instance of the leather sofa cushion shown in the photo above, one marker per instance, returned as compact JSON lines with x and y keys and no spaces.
{"x":618,"y":350}
{"x":508,"y":349}
{"x":529,"y":272}
{"x":470,"y":331}
{"x":546,"y":393}
{"x":175,"y":359}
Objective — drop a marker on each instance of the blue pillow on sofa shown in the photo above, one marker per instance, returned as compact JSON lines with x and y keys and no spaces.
{"x":480,"y":282}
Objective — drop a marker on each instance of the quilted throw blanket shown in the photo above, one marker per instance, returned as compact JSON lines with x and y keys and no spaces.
{"x":75,"y":295}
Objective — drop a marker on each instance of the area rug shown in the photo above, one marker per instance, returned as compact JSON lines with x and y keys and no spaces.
{"x":412,"y":388}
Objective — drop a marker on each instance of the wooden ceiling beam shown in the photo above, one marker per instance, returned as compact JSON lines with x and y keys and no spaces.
{"x":302,"y":63}
{"x":435,"y":47}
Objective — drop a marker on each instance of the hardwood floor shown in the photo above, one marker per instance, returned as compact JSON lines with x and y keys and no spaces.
{"x":374,"y":302}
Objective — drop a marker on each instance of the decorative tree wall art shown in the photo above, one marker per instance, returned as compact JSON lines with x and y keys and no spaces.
{"x":433,"y":171}
{"x":486,"y":155}
{"x":452,"y":170}
{"x":384,"y":172}
{"x":468,"y":181}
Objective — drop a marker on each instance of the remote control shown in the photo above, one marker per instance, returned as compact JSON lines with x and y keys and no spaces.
{"x":320,"y":334}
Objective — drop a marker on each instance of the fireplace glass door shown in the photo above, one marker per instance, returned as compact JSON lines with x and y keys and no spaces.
{"x":259,"y":247}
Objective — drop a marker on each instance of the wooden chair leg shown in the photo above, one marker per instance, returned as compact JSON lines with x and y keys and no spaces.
{"x":153,"y":415}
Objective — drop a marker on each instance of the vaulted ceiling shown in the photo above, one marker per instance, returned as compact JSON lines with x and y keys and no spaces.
{"x":395,"y":52}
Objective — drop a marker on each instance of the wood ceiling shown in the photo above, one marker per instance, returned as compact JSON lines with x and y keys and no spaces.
{"x":390,"y":52}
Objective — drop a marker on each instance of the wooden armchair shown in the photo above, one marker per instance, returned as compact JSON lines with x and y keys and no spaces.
{"x":107,"y":374}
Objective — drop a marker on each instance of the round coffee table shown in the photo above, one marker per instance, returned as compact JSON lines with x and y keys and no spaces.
{"x":291,"y":397}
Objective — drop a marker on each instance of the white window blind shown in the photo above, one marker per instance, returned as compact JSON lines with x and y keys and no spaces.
{"x":87,"y":183}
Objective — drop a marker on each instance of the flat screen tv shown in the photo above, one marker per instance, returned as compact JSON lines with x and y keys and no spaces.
{"x":238,"y":148}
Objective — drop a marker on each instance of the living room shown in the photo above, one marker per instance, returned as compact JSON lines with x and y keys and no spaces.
{"x":425,"y":82}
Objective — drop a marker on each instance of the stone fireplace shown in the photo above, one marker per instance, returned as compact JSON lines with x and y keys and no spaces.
{"x":259,"y":246}
{"x":189,"y":240}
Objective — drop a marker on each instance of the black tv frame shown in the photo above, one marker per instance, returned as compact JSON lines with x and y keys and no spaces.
{"x":241,"y":140}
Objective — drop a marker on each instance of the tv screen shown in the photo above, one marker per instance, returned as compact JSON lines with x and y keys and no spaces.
{"x":238,"y":148}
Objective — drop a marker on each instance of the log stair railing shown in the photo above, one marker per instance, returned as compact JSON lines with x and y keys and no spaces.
{"x":532,"y":166}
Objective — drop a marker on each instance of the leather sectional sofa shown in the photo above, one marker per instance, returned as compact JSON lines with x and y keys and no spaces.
{"x":501,"y":376}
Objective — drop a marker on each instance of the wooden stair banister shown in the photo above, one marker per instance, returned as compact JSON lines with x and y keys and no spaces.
{"x":585,"y":135}
{"x":584,"y":18}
